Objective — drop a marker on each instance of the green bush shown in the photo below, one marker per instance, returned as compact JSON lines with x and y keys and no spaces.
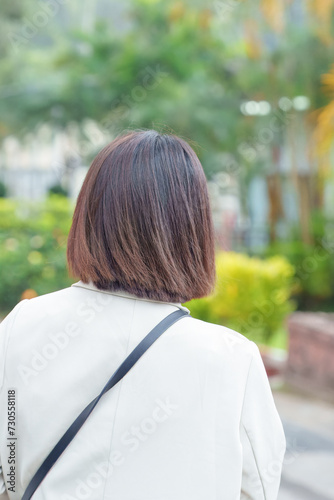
{"x":252,"y":295}
{"x":33,"y":245}
{"x":314,"y":263}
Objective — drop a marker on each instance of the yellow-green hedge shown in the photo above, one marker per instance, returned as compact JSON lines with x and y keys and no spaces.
{"x":251,"y":296}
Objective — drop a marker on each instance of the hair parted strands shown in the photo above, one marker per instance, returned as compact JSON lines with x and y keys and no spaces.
{"x":143,"y":222}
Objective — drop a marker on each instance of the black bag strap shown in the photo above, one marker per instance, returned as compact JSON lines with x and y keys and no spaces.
{"x":123,"y":369}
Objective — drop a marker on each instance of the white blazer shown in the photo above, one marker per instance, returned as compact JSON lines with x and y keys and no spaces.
{"x":193,"y":420}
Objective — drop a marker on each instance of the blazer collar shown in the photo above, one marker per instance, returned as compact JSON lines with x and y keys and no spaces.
{"x":127,"y":295}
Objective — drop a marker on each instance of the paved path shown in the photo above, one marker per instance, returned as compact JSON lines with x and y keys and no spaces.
{"x":308,"y":472}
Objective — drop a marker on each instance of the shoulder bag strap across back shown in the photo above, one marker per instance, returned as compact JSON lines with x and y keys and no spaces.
{"x":123,"y":369}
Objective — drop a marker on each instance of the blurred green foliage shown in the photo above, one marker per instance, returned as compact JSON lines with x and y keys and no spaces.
{"x":3,"y":190}
{"x":182,"y":65}
{"x":252,"y":295}
{"x":314,"y":266}
{"x":57,"y":189}
{"x":33,"y":242}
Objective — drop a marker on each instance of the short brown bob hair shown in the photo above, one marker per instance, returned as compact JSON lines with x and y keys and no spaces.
{"x":143,"y":223}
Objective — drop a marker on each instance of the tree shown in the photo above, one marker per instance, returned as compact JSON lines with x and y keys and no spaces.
{"x":187,"y":66}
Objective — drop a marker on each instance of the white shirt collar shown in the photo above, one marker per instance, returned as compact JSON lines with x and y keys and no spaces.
{"x":127,"y":295}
